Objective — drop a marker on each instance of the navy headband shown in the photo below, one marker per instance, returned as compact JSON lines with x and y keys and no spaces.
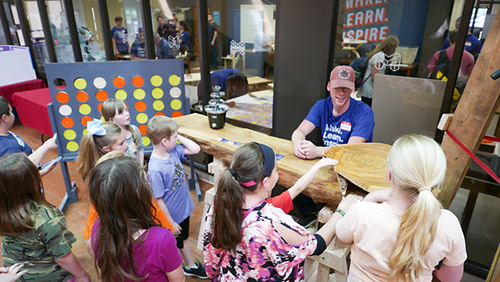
{"x":269,"y":159}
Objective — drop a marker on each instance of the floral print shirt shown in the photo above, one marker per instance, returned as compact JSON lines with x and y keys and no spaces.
{"x":262,"y":255}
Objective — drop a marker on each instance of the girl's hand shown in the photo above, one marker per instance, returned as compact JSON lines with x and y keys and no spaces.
{"x":11,"y":273}
{"x":177,"y":229}
{"x":326,"y":162}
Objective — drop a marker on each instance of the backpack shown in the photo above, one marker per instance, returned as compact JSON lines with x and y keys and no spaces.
{"x":442,"y":66}
{"x":360,"y":65}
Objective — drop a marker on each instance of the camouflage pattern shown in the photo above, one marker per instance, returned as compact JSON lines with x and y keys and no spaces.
{"x":39,"y":248}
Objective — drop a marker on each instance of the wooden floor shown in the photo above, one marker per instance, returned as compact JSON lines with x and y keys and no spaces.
{"x":76,"y":214}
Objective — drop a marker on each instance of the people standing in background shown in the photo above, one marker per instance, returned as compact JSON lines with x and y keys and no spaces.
{"x":137,"y":51}
{"x":263,"y":45}
{"x":212,"y":38}
{"x":161,"y":25}
{"x":472,"y":44}
{"x":185,"y":36}
{"x":163,"y":49}
{"x":119,"y":35}
{"x":376,"y":64}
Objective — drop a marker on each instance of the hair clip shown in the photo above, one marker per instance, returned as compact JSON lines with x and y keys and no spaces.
{"x":94,"y":127}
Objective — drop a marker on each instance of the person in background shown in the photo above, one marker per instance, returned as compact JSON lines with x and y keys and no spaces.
{"x":163,"y":49}
{"x":472,"y":44}
{"x":137,"y":51}
{"x":342,"y":119}
{"x":404,"y":234}
{"x":376,"y":59}
{"x":185,"y":36}
{"x":119,"y":35}
{"x":212,"y":38}
{"x":161,"y":28}
{"x":126,"y":240}
{"x":33,"y":231}
{"x":11,"y":143}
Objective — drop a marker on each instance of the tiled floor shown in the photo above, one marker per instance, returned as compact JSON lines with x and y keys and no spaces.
{"x":76,"y":214}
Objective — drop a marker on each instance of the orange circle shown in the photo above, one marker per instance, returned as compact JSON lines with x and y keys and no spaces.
{"x":138,"y":81}
{"x":62,"y":97}
{"x":67,"y":122}
{"x":82,"y":96}
{"x":143,"y":129}
{"x":119,"y":82}
{"x":85,"y":119}
{"x":101,"y":95}
{"x":176,"y":114}
{"x":140,"y":106}
{"x":99,"y":108}
{"x":159,"y":114}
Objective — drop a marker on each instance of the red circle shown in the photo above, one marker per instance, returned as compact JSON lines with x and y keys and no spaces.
{"x":176,"y":114}
{"x":159,"y":114}
{"x":99,"y":108}
{"x":67,"y":122}
{"x":119,"y":82}
{"x":101,"y":95}
{"x":140,"y":106}
{"x":138,"y":81}
{"x":62,"y":97}
{"x":143,"y":129}
{"x":82,"y":96}
{"x":85,"y":119}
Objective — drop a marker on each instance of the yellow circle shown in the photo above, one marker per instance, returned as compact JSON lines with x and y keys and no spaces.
{"x":102,"y":119}
{"x":84,"y":109}
{"x":84,"y":131}
{"x":174,"y":80}
{"x":72,"y":146}
{"x":146,"y":140}
{"x":142,"y":118}
{"x":157,"y":93}
{"x":120,"y":94}
{"x":70,"y":134}
{"x":139,"y":94}
{"x":175,"y":104}
{"x":158,"y":105}
{"x":80,"y":83}
{"x":156,"y":80}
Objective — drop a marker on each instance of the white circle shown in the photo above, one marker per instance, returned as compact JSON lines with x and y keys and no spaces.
{"x":65,"y":110}
{"x":175,"y":92}
{"x":99,"y":82}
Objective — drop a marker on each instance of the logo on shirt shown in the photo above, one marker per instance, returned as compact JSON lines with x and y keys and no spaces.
{"x":345,"y":125}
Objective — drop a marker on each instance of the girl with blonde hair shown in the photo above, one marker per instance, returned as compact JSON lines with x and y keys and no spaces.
{"x":116,"y":111}
{"x":409,"y":235}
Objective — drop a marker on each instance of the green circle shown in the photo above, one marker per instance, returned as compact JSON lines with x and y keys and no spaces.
{"x":146,"y":140}
{"x":156,"y":80}
{"x":176,"y":104}
{"x":139,"y":94}
{"x":72,"y":146}
{"x":174,"y":80}
{"x":142,"y":118}
{"x":158,"y":105}
{"x":120,"y":94}
{"x":85,"y":109}
{"x":80,"y":83}
{"x":157,"y":93}
{"x":69,"y":134}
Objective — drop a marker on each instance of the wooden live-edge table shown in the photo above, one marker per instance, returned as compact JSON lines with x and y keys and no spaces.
{"x":221,"y":144}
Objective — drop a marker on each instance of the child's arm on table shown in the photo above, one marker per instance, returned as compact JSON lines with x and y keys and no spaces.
{"x":191,"y":147}
{"x":303,"y":181}
{"x":164,"y":209}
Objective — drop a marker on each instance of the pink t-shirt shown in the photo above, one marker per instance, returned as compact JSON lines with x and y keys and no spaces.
{"x":157,"y":255}
{"x":466,"y":66}
{"x":373,"y":229}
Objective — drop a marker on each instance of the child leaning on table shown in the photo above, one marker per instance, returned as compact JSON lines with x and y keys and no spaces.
{"x":33,"y":231}
{"x":168,"y":182}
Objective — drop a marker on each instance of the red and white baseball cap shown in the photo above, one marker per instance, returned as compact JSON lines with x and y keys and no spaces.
{"x":342,"y":76}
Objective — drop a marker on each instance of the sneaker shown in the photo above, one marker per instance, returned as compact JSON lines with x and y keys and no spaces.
{"x":198,"y":270}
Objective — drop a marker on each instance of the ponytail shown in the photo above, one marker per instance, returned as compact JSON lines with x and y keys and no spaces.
{"x":417,"y":164}
{"x":243,"y":176}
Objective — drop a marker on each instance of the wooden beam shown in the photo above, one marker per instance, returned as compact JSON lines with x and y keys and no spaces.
{"x":474,"y":113}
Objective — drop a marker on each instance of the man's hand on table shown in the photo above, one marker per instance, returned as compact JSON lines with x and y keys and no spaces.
{"x":305,"y":149}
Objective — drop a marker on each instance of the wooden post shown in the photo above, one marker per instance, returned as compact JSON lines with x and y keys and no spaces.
{"x":473,"y":115}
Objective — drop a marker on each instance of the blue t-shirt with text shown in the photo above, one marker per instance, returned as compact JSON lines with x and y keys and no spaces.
{"x":356,"y":121}
{"x":168,"y":181}
{"x":13,"y":144}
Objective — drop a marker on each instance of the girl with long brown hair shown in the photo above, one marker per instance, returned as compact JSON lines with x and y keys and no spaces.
{"x":409,"y":235}
{"x":126,"y":240}
{"x":33,"y":231}
{"x":245,"y":237}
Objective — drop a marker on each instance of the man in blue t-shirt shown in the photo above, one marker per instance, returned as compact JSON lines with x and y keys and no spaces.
{"x":119,"y":35}
{"x":341,"y":118}
{"x":472,"y":44}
